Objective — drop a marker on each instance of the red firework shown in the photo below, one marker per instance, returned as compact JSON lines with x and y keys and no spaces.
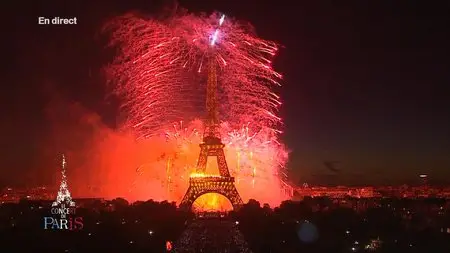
{"x":160,"y":70}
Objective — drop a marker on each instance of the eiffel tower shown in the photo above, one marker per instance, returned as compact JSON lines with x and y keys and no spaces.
{"x":63,"y":193}
{"x":199,"y":183}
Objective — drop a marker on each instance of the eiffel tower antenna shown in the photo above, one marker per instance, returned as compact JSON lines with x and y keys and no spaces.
{"x":199,"y":182}
{"x":64,"y":196}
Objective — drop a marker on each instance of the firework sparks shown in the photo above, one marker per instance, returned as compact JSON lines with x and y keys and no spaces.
{"x":157,"y":71}
{"x":160,"y":72}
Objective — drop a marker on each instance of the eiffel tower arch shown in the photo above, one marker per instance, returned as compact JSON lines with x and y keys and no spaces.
{"x":203,"y":185}
{"x":212,"y":146}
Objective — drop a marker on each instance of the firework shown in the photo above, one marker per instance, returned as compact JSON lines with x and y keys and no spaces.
{"x":160,"y":71}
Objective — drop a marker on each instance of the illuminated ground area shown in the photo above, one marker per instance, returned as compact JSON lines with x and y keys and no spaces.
{"x":212,"y":235}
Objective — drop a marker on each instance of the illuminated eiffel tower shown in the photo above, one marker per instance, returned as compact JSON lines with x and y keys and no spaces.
{"x":199,"y":182}
{"x":63,"y":193}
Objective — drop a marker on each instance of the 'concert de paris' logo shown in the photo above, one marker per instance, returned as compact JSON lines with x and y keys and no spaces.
{"x":63,"y":208}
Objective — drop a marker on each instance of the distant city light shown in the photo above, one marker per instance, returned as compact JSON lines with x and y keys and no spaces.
{"x":168,"y":245}
{"x":374,"y":244}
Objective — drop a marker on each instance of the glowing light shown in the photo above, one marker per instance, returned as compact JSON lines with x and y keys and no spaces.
{"x":216,"y":32}
{"x":168,"y":246}
{"x":221,"y":19}
{"x":212,"y":202}
{"x":374,"y":244}
{"x":214,"y":37}
{"x":202,"y":175}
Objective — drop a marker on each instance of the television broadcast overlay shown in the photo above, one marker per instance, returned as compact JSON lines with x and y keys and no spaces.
{"x":63,"y":210}
{"x":190,"y":126}
{"x":57,"y":21}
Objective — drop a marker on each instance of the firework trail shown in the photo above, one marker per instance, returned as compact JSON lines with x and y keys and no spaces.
{"x":161,"y":72}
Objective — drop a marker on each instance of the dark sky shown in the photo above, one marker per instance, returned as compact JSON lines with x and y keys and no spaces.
{"x":365,"y":83}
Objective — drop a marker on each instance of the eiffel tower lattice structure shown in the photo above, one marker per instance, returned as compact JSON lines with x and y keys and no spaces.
{"x":63,"y":197}
{"x":199,"y":182}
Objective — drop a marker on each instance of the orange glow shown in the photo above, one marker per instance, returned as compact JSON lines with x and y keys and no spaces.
{"x":194,"y":174}
{"x":107,"y":163}
{"x":212,"y":202}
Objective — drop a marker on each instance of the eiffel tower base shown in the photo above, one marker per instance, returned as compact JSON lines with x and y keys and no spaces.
{"x":199,"y":186}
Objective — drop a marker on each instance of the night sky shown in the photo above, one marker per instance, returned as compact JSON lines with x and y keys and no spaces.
{"x":364,"y":84}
